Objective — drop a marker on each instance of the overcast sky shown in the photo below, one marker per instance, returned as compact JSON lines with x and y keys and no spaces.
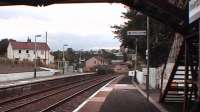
{"x":81,"y":26}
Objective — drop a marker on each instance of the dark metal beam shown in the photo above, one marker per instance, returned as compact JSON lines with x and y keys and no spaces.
{"x":186,"y":90}
{"x":162,"y":11}
{"x":49,"y":2}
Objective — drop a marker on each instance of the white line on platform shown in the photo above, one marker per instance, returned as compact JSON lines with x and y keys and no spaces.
{"x":87,"y":100}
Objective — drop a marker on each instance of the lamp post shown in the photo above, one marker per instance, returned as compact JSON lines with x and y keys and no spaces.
{"x":35,"y":64}
{"x":80,"y":64}
{"x":64,"y":57}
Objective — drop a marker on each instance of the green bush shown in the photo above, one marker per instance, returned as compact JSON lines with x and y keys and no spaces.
{"x":103,"y":70}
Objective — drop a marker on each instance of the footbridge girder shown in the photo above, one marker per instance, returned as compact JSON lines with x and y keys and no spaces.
{"x":160,"y":10}
{"x":50,"y":2}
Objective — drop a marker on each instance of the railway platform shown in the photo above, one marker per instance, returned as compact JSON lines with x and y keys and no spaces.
{"x":10,"y":84}
{"x":119,"y":95}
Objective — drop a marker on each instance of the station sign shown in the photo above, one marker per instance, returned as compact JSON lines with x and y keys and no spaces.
{"x":194,"y":10}
{"x":136,"y":33}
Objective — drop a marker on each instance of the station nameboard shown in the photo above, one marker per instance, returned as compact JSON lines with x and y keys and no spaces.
{"x":136,"y":33}
{"x":194,"y":10}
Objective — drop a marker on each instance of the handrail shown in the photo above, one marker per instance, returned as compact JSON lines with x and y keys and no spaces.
{"x":170,"y":64}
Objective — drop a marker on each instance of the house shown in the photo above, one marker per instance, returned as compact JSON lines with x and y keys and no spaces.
{"x":26,"y":51}
{"x":93,"y":62}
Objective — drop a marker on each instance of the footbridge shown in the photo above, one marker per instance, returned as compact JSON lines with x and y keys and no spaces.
{"x":175,"y":12}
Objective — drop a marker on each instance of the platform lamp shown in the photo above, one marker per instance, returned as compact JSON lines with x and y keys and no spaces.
{"x":64,"y":57}
{"x":80,"y":59}
{"x":35,"y":51}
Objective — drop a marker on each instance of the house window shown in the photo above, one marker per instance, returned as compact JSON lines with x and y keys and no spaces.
{"x":42,"y":52}
{"x":95,"y":62}
{"x":20,"y":51}
{"x":27,"y":51}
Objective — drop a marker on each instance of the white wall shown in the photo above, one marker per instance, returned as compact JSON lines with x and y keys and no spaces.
{"x":50,"y":59}
{"x":23,"y":55}
{"x":140,"y":77}
{"x":153,"y":77}
{"x":24,"y":75}
{"x":9,"y":52}
{"x":12,"y":54}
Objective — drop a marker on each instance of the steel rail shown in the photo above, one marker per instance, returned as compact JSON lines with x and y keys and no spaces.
{"x":74,"y":95}
{"x":48,"y":95}
{"x":41,"y":91}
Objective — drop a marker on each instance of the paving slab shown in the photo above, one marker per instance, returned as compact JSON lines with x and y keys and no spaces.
{"x":127,"y":100}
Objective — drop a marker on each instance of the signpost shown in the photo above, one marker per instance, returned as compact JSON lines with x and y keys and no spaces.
{"x":136,"y":34}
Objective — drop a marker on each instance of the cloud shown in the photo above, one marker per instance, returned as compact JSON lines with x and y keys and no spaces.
{"x":21,"y":11}
{"x":84,"y":25}
{"x":82,"y":42}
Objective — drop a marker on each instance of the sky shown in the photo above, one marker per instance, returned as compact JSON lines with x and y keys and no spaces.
{"x":80,"y":26}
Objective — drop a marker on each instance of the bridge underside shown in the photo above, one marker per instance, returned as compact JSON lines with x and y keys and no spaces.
{"x":169,"y":12}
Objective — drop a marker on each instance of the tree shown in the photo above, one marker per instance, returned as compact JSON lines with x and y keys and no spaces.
{"x":107,"y":55}
{"x":3,"y":47}
{"x":57,"y":55}
{"x":161,"y":37}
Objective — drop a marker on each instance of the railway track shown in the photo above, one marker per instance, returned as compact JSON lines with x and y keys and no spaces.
{"x":50,"y":98}
{"x":44,"y":90}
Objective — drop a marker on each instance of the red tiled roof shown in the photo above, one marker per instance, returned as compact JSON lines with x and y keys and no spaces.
{"x":29,"y":45}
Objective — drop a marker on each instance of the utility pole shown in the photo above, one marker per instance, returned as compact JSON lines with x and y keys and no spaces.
{"x":64,"y":57}
{"x":46,"y":50}
{"x":35,"y":64}
{"x":136,"y":50}
{"x":80,"y":63}
{"x":35,"y":60}
{"x":147,"y":58}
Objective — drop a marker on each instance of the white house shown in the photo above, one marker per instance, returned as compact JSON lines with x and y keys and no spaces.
{"x":26,"y":51}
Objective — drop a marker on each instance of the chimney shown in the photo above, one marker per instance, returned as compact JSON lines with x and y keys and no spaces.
{"x":28,"y":40}
{"x":12,"y":40}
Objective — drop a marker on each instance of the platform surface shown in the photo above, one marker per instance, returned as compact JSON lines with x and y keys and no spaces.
{"x":35,"y":80}
{"x":127,"y":101}
{"x":117,"y":96}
